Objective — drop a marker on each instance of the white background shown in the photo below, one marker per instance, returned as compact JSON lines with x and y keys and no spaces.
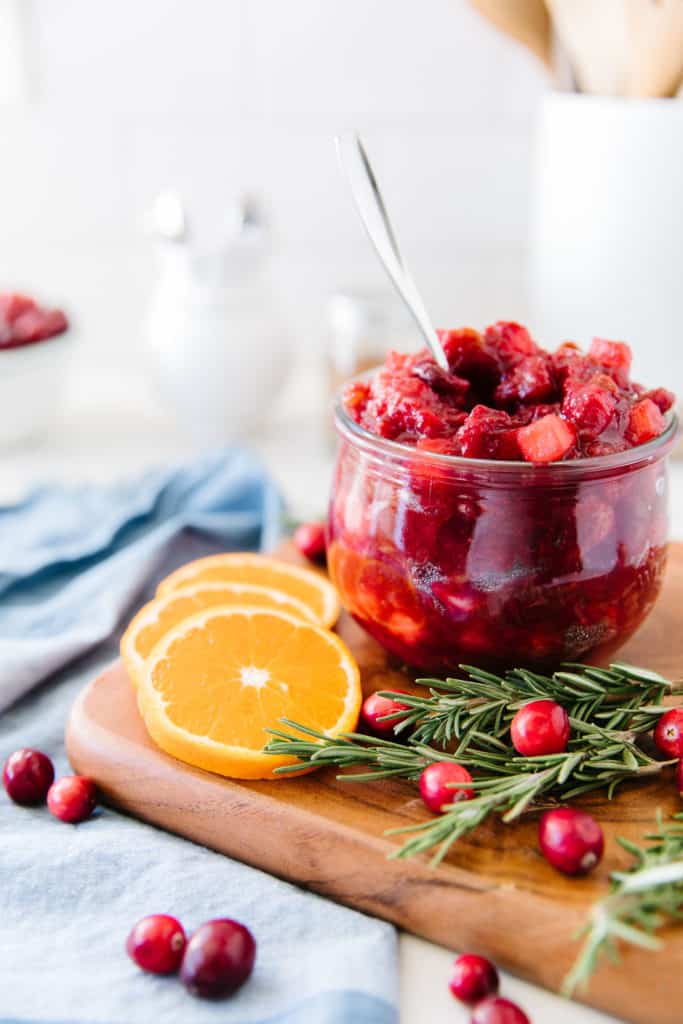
{"x":213,"y":96}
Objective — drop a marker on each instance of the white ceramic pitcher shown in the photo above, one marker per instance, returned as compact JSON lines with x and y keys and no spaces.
{"x":217,"y":343}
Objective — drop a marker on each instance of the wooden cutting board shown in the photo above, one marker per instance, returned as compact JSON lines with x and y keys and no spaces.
{"x":494,"y":894}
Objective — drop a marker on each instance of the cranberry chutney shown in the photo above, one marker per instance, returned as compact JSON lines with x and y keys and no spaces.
{"x":510,"y":511}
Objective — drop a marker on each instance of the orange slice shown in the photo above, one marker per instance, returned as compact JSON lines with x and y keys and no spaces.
{"x":217,"y":680}
{"x":158,"y":616}
{"x":304,"y":584}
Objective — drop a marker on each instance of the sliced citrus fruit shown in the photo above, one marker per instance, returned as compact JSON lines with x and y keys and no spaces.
{"x":237,"y":567}
{"x":219,"y":679}
{"x":158,"y":616}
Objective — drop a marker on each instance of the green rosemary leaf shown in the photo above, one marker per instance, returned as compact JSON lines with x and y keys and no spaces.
{"x":641,"y":900}
{"x":643,"y":675}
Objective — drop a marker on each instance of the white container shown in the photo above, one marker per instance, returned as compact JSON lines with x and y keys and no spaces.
{"x":32,"y":379}
{"x":217,"y":347}
{"x":607,"y":245}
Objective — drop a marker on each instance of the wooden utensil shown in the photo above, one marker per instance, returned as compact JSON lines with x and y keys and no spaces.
{"x":494,"y":892}
{"x":595,"y":38}
{"x":526,"y":21}
{"x":655,"y":34}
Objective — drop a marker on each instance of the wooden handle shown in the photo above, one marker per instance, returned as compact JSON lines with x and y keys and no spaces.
{"x":656,"y":44}
{"x":526,"y":21}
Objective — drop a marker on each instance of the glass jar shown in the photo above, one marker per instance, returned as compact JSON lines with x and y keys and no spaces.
{"x":448,"y":560}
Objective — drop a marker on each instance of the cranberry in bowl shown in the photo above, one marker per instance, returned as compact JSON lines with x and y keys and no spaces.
{"x":512,"y":511}
{"x":34,"y":350}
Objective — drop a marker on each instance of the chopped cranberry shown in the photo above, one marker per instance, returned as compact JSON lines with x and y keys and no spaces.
{"x":436,"y":785}
{"x":376,"y":708}
{"x":27,"y":776}
{"x":468,"y":358}
{"x":356,"y":397}
{"x":23,"y":322}
{"x":496,"y":1010}
{"x":590,"y":408}
{"x":541,"y":727}
{"x":488,"y":434}
{"x":593,"y":449}
{"x":616,"y":355}
{"x":662,"y":398}
{"x":440,"y":445}
{"x":510,"y":340}
{"x":473,"y":978}
{"x":12,"y":305}
{"x":570,"y":840}
{"x":645,"y":422}
{"x":568,"y":360}
{"x":72,"y":799}
{"x":309,"y":539}
{"x":668,"y":734}
{"x":218,"y":959}
{"x":156,"y":944}
{"x":447,"y":384}
{"x":529,"y":381}
{"x":38,"y":324}
{"x":546,"y":440}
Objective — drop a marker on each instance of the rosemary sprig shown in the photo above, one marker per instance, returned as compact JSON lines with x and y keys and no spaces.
{"x":482,"y":705}
{"x":640,"y":901}
{"x":609,"y":710}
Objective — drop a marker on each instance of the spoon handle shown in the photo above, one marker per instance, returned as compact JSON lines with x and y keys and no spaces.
{"x":373,"y":213}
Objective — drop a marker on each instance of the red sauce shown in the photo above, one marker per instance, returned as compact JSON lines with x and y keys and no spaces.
{"x":507,"y":398}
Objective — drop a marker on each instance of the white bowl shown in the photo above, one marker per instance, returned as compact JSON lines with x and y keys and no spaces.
{"x":32,"y":381}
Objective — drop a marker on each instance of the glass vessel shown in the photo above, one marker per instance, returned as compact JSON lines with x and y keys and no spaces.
{"x":448,"y":560}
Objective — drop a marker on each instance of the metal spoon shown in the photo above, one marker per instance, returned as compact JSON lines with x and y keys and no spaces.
{"x":373,"y":213}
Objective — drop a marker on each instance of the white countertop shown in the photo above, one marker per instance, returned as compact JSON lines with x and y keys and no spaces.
{"x":113,"y":428}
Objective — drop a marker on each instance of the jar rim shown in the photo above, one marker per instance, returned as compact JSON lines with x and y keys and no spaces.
{"x":658,"y":447}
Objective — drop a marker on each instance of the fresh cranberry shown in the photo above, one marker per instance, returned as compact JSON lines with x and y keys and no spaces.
{"x":218,"y":959}
{"x":473,"y":978}
{"x":376,"y":708}
{"x":496,"y":1010}
{"x":541,"y":727}
{"x":156,"y":944}
{"x":435,"y":784}
{"x":72,"y":799}
{"x":668,"y":734}
{"x":309,"y":539}
{"x":570,"y":840}
{"x":27,"y":776}
{"x":546,"y":440}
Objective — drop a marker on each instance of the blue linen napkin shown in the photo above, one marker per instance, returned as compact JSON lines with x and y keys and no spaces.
{"x":71,"y":562}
